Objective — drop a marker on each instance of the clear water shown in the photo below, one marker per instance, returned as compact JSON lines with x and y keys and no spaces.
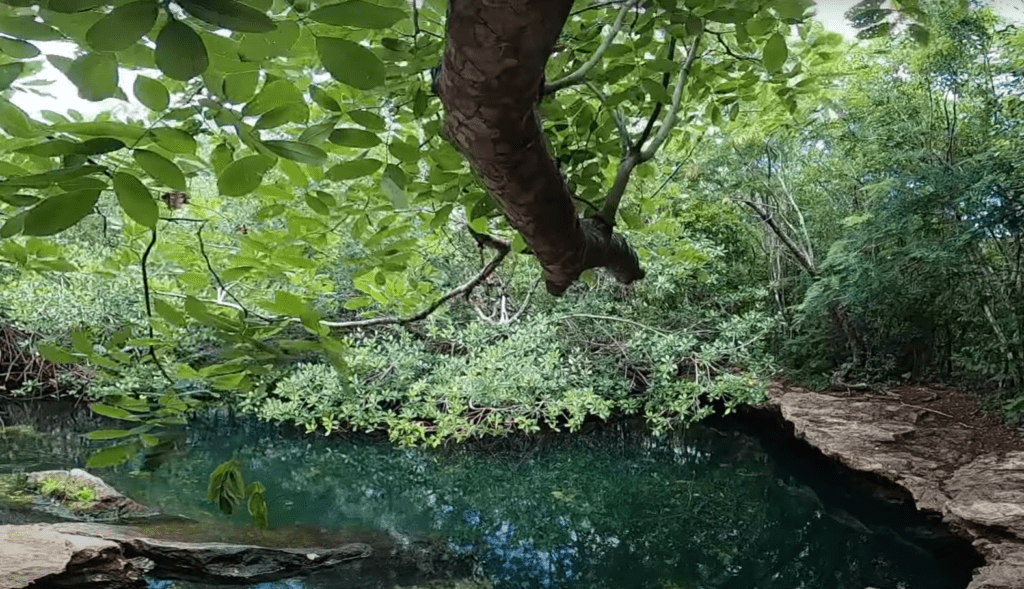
{"x":614,"y":507}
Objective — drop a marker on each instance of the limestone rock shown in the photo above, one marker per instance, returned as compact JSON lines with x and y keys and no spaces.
{"x":990,"y":491}
{"x":38,"y":553}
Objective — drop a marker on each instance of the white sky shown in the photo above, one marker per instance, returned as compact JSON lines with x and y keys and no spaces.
{"x":64,"y":95}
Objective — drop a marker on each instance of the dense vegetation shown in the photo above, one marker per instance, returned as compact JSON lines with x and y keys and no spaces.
{"x":282,"y":227}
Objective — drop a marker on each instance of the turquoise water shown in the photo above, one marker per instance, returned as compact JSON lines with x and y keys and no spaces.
{"x":728,"y":507}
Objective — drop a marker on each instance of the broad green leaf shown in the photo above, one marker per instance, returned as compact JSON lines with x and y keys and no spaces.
{"x":181,"y":52}
{"x":27,"y":27}
{"x":405,"y":152}
{"x":9,"y":72}
{"x":151,"y":93}
{"x":220,"y":157}
{"x":241,"y":87}
{"x":18,"y":49}
{"x":242,"y":176}
{"x":81,"y":341}
{"x":14,"y":225}
{"x":729,"y":15}
{"x":792,"y":9}
{"x":398,"y":197}
{"x":694,"y":24}
{"x":174,"y":140}
{"x":53,"y":176}
{"x":168,"y":312}
{"x":318,"y":133}
{"x":160,"y":168}
{"x":95,"y":75}
{"x":112,"y":411}
{"x":57,"y":213}
{"x":19,"y":200}
{"x":108,"y":434}
{"x":111,"y":456}
{"x":229,"y":14}
{"x":103,"y":129}
{"x":357,"y":14}
{"x":15,"y":122}
{"x":353,"y":169}
{"x":317,"y":204}
{"x":257,"y":504}
{"x":56,"y":354}
{"x":296,"y":151}
{"x":365,"y":118}
{"x":135,"y":199}
{"x":99,"y":145}
{"x":273,"y":94}
{"x":295,"y":112}
{"x":123,"y":26}
{"x":349,"y":137}
{"x":324,"y":99}
{"x":350,"y":63}
{"x":775,"y":53}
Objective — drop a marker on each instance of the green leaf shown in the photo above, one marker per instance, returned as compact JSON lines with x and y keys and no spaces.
{"x":123,"y":26}
{"x":353,"y":169}
{"x":274,"y":93}
{"x":229,"y":14}
{"x":160,"y":168}
{"x":169,"y":313}
{"x":57,"y":213}
{"x":775,"y":53}
{"x":357,"y":14}
{"x":114,"y":412}
{"x":405,"y":152}
{"x":694,"y":24}
{"x":111,"y":456}
{"x":350,"y":63}
{"x":56,"y":354}
{"x":14,"y":225}
{"x":180,"y":52}
{"x":241,"y":87}
{"x":9,"y":72}
{"x":81,"y":341}
{"x":398,"y":197}
{"x":135,"y":199}
{"x":324,"y":99}
{"x":15,"y":122}
{"x":151,"y":93}
{"x":103,"y":129}
{"x":108,"y":434}
{"x":365,"y":118}
{"x":99,"y":145}
{"x":174,"y":140}
{"x":95,"y":75}
{"x":18,"y":49}
{"x":317,"y":204}
{"x":26,"y":27}
{"x":349,"y":137}
{"x":299,"y":152}
{"x":221,"y":156}
{"x":19,"y":200}
{"x":257,"y":504}
{"x":242,"y":176}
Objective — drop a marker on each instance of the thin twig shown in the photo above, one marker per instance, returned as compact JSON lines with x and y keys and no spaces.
{"x":149,"y":306}
{"x":577,"y":76}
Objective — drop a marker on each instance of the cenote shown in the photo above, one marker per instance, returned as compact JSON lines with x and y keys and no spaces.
{"x":728,"y":504}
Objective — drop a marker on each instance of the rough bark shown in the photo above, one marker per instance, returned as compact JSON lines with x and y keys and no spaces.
{"x":491,"y":78}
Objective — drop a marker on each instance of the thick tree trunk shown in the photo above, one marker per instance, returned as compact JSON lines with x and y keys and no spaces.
{"x":491,"y":79}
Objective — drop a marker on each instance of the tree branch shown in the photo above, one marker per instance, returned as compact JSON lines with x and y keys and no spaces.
{"x":657,"y":107}
{"x":625,"y":141}
{"x":578,"y":76}
{"x":503,"y":248}
{"x":677,"y":96}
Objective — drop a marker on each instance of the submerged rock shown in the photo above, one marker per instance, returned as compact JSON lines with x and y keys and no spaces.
{"x":982,"y":497}
{"x":68,"y":494}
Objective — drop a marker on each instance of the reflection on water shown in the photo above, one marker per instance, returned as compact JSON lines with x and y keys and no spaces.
{"x":613,"y":508}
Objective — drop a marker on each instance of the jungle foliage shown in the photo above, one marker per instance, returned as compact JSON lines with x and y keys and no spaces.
{"x":275,"y":222}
